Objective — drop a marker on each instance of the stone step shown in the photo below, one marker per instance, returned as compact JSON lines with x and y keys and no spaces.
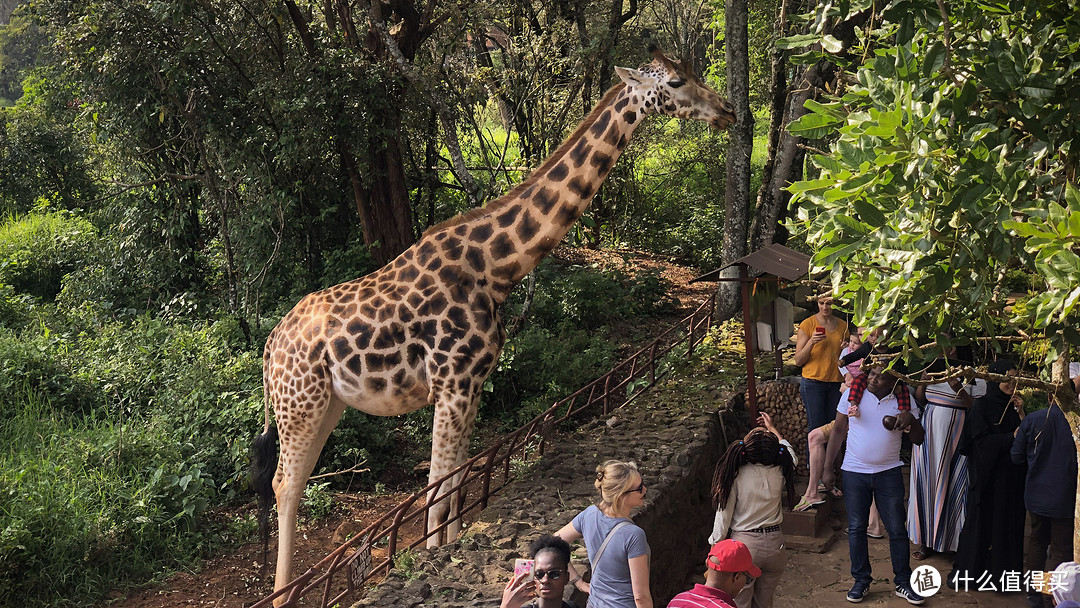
{"x":811,"y":544}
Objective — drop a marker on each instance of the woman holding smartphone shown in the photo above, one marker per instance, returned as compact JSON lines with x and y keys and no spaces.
{"x":545,"y":580}
{"x":817,"y":349}
{"x":617,"y":547}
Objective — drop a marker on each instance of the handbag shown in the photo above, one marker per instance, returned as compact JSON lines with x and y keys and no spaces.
{"x":595,"y":560}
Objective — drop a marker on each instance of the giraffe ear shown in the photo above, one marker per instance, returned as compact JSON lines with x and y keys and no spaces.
{"x":635,"y":78}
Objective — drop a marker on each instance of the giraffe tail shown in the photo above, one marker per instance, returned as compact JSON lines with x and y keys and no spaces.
{"x":263,"y":467}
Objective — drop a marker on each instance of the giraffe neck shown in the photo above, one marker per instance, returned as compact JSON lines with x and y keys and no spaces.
{"x":536,"y":215}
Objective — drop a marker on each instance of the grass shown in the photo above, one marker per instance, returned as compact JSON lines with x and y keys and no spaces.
{"x":76,"y":494}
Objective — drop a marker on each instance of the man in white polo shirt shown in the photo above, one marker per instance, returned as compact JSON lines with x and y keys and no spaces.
{"x":872,"y":472}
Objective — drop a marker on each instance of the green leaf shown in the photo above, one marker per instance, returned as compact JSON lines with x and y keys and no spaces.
{"x":797,"y":42}
{"x":1074,"y":224}
{"x":1072,"y":196}
{"x":968,"y":94}
{"x":934,"y":59}
{"x":831,"y":44}
{"x":813,"y":126}
{"x":1027,"y":230}
{"x":827,"y":163}
{"x":835,"y":110}
{"x":809,"y":185}
{"x":906,"y":30}
{"x":1067,"y":263}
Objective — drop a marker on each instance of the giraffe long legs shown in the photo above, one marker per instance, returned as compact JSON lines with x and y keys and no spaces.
{"x":301,"y":443}
{"x":454,"y":417}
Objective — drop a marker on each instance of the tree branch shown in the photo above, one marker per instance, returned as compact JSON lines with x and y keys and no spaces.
{"x":946,"y":68}
{"x":355,"y":469}
{"x":446,"y":118}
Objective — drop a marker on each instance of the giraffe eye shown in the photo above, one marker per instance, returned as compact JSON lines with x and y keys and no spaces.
{"x":676,"y":83}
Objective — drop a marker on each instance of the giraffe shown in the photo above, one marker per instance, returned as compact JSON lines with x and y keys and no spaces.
{"x":426,"y":328}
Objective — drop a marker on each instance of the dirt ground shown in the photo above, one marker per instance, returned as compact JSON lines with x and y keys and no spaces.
{"x":235,"y":580}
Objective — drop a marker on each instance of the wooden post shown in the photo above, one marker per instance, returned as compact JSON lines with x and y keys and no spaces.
{"x":1074,"y":425}
{"x":748,"y":339}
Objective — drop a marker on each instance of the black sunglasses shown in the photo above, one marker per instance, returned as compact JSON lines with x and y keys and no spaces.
{"x":640,"y":488}
{"x":548,"y":574}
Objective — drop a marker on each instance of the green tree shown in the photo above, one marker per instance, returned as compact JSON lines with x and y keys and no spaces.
{"x":954,"y":158}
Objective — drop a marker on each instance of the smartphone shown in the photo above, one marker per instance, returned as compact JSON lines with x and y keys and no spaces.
{"x":523,"y":565}
{"x":819,"y":330}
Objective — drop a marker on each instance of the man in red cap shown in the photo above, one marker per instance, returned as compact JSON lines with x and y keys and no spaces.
{"x":730,"y":568}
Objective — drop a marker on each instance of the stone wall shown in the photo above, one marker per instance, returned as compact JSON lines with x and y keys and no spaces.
{"x":676,"y":449}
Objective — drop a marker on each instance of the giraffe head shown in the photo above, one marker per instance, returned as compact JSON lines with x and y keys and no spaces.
{"x":672,"y":88}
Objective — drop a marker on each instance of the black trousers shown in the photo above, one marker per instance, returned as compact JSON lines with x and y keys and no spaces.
{"x":1050,"y":544}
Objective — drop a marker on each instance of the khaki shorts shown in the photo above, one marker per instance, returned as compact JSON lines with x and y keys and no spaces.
{"x":826,"y":429}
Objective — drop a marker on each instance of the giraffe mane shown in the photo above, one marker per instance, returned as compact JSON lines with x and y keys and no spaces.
{"x":555,"y":157}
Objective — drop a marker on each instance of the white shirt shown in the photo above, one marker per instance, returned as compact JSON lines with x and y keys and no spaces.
{"x":871,"y":448}
{"x":754,"y":501}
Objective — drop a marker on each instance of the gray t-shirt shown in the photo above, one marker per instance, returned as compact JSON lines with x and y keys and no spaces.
{"x":610,"y":584}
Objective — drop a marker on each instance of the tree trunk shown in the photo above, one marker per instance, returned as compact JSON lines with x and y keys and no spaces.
{"x":767,"y":215}
{"x":383,"y":202}
{"x":784,"y":167}
{"x":388,"y":197}
{"x":737,"y":194}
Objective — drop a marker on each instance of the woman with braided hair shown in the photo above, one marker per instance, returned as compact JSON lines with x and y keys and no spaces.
{"x":750,"y":480}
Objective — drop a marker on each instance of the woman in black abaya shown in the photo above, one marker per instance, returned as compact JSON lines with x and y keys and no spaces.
{"x":992,"y":540}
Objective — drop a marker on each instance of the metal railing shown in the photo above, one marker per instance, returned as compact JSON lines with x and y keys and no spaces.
{"x":372,"y":551}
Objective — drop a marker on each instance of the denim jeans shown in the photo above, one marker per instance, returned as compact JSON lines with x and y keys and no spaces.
{"x":887,"y":487}
{"x":820,"y":400}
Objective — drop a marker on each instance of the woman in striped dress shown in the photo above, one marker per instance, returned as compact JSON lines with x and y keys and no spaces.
{"x":939,"y":478}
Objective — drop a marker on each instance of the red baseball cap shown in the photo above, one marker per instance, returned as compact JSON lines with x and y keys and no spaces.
{"x":732,"y":556}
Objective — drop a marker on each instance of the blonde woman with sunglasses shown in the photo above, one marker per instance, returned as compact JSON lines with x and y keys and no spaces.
{"x":617,"y":547}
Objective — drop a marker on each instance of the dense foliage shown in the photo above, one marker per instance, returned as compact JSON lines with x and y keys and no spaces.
{"x":952,"y":160}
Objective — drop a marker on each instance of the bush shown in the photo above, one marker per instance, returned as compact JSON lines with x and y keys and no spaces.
{"x":590,"y":298}
{"x":38,"y":249}
{"x":30,"y":363}
{"x":15,"y":308}
{"x":89,"y":505}
{"x":566,"y":342}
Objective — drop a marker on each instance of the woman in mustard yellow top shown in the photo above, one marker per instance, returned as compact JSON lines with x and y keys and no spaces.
{"x":821,"y":338}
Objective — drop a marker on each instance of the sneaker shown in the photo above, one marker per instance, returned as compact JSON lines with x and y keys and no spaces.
{"x":909,"y":594}
{"x":858,"y":591}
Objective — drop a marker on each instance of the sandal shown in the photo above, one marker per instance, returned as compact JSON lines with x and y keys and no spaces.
{"x":806,"y":505}
{"x":835,"y":491}
{"x":923,"y":553}
{"x":875,"y":535}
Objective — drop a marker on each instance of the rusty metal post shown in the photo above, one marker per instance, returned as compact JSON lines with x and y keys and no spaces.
{"x":652,"y":364}
{"x":748,"y":338}
{"x":712,"y":310}
{"x":690,"y":341}
{"x":486,"y":491}
{"x":607,"y":392}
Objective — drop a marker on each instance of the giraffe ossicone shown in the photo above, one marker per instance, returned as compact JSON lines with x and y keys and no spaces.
{"x":426,"y":329}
